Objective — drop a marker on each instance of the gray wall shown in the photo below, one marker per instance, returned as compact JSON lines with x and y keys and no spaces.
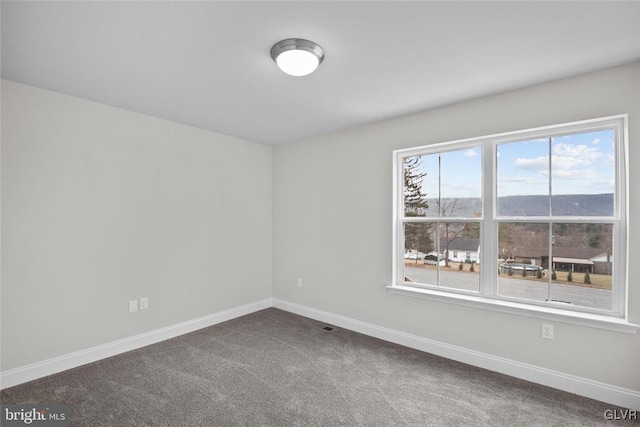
{"x":332,"y":226}
{"x":101,"y":205}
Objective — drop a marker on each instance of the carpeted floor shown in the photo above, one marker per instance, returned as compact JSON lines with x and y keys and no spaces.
{"x":274,"y":368}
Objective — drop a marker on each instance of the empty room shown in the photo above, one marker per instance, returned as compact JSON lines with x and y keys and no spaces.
{"x":319,"y":213}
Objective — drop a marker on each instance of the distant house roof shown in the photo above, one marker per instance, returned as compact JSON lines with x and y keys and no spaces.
{"x":563,"y":252}
{"x":572,"y":260}
{"x":530,"y":252}
{"x":606,"y":257}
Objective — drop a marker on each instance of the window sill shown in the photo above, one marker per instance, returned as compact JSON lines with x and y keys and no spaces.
{"x":545,"y":313}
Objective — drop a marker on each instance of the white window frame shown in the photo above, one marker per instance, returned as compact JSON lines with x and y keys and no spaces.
{"x":488,"y":297}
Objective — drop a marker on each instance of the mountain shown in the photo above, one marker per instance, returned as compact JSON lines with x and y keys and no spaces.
{"x":563,"y":205}
{"x":463,"y":206}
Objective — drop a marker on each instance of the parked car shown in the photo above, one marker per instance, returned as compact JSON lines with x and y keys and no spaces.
{"x":433,"y":259}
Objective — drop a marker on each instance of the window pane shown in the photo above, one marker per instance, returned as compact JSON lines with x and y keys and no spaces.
{"x":462,"y":270}
{"x":523,"y":178}
{"x":583,"y":174}
{"x":461,"y":180}
{"x":523,"y":258}
{"x":443,"y":184}
{"x":420,"y":183}
{"x":419,"y":241}
{"x":426,"y":262}
{"x":582,"y":265}
{"x":558,"y":194}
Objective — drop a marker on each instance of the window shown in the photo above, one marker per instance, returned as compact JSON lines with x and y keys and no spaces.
{"x":540,"y":216}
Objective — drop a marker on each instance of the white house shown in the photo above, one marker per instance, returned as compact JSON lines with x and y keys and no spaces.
{"x":464,"y":250}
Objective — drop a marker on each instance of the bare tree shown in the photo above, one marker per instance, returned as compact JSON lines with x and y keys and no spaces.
{"x":449,"y":207}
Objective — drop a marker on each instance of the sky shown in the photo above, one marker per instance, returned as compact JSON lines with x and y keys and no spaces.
{"x":580,"y":164}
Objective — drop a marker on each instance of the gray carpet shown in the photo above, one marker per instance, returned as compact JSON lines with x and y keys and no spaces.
{"x":273,"y":368}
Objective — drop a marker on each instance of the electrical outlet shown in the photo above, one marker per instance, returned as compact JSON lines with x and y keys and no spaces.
{"x":299,"y":282}
{"x":547,"y":331}
{"x":133,"y":305}
{"x":144,"y":303}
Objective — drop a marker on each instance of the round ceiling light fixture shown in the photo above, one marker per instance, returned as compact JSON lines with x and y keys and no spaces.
{"x":297,"y":57}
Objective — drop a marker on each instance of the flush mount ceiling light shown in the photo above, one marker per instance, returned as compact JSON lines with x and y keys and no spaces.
{"x":297,"y":57}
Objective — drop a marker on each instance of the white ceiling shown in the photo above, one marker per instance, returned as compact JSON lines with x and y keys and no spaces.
{"x":207,"y":64}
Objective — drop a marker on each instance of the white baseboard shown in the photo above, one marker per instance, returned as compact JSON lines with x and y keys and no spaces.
{"x":72,"y":360}
{"x":595,"y":390}
{"x":584,"y":387}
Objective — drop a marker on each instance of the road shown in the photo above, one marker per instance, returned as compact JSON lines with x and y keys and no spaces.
{"x":517,"y":288}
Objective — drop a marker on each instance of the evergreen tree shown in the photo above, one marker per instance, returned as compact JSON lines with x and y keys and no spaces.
{"x":471,"y":230}
{"x":417,"y":235}
{"x":415,"y":202}
{"x":587,"y":277}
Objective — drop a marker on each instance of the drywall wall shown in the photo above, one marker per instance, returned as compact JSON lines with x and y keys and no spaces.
{"x":333,"y":225}
{"x":101,"y":206}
